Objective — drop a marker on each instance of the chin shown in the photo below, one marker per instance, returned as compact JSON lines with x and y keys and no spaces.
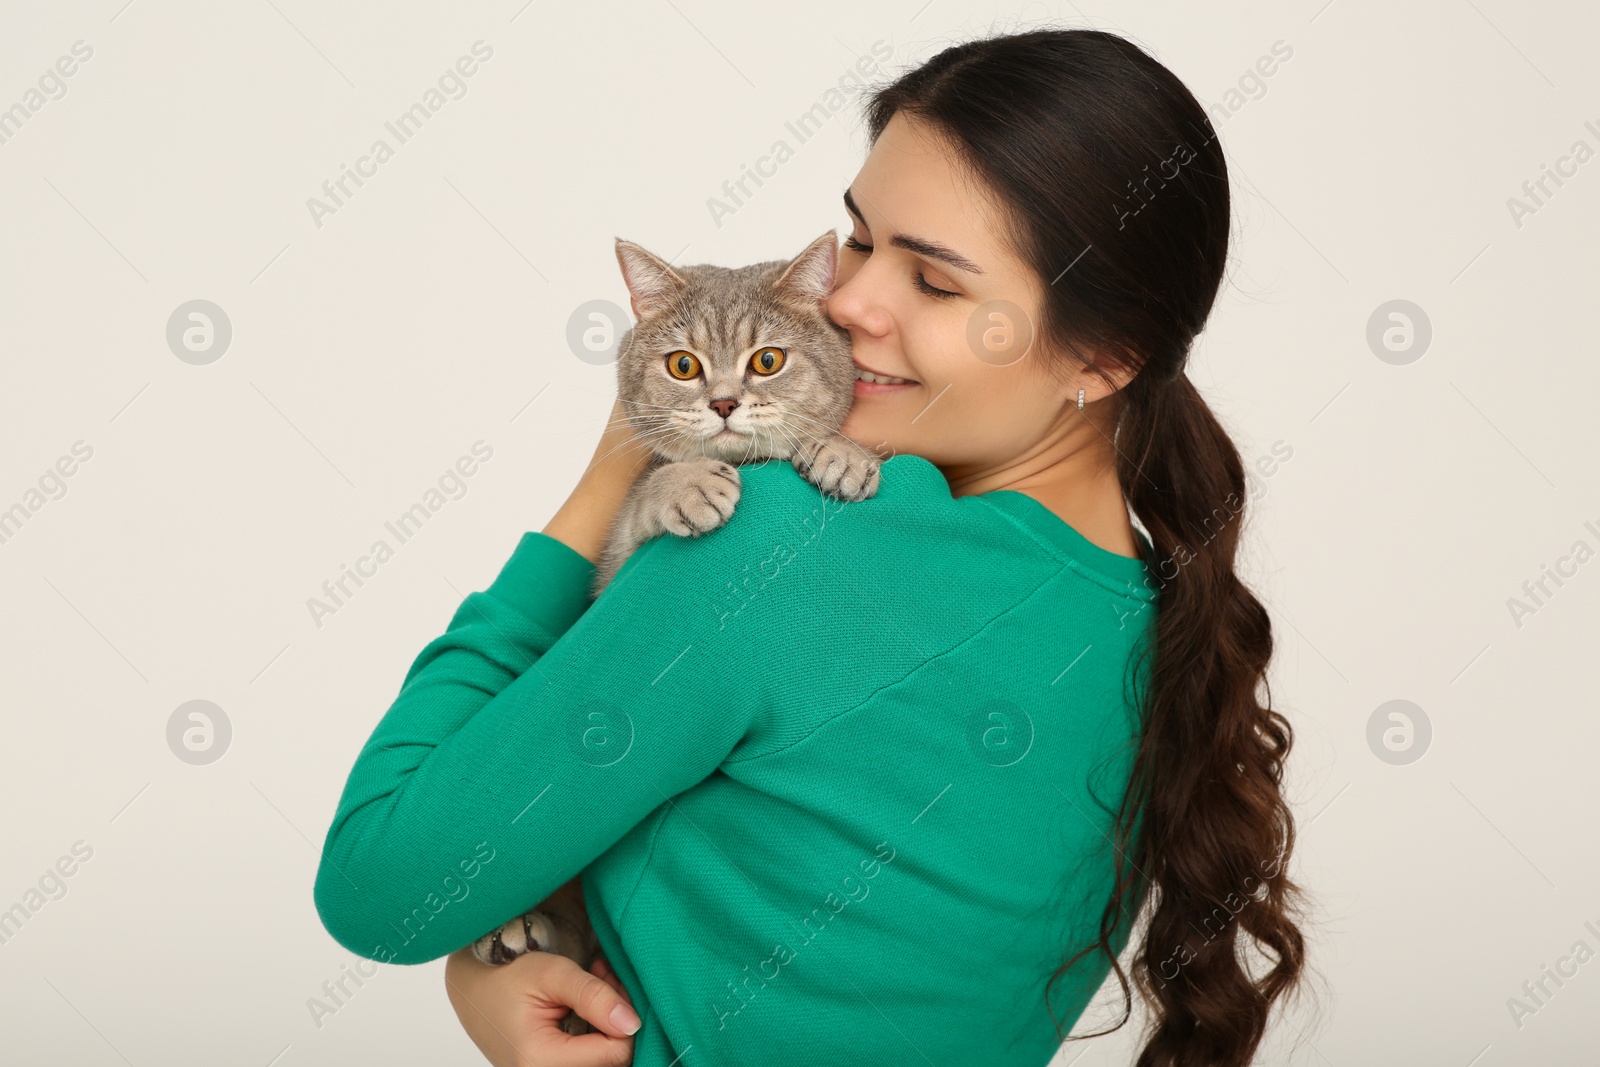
{"x":742,"y":449}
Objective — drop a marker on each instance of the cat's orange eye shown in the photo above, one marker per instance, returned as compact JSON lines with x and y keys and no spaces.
{"x":683,"y":365}
{"x":767,"y":361}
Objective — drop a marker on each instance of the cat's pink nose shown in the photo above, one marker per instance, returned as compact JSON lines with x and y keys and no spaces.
{"x":724,"y":406}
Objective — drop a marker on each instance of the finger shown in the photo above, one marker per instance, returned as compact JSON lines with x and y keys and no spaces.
{"x":604,"y":970}
{"x":593,"y":998}
{"x":531,"y":1035}
{"x":581,"y":1050}
{"x":552,"y":1047}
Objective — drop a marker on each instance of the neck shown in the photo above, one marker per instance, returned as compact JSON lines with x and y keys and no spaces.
{"x":1071,"y":471}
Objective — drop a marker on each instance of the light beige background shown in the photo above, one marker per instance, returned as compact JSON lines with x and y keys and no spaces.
{"x":430,"y":312}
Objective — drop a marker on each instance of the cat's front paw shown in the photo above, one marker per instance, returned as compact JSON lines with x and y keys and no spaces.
{"x":692,"y":497}
{"x":524,"y":934}
{"x":839,"y":467}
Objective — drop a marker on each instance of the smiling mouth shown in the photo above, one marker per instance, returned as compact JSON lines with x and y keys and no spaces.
{"x":864,"y":375}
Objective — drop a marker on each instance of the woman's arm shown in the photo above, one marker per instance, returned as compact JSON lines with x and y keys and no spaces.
{"x":537,"y":731}
{"x":513,"y":1012}
{"x":582,"y":522}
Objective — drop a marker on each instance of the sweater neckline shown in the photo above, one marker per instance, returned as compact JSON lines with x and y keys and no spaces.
{"x":1058,"y":532}
{"x":1065,"y":536}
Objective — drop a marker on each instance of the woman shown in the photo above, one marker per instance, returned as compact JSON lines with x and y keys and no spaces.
{"x":889,"y":781}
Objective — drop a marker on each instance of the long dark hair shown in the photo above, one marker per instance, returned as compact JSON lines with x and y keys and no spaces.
{"x":1118,"y":199}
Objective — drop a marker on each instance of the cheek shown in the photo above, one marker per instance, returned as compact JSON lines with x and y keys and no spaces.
{"x":1008,"y":403}
{"x":940,"y":355}
{"x":991,"y":395}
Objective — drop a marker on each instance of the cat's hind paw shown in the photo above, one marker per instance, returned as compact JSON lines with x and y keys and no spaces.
{"x":524,"y":934}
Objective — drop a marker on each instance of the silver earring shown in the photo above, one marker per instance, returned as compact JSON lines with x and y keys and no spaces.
{"x":1080,"y":399}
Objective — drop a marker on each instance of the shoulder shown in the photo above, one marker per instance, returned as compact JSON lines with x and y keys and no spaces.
{"x":778,"y":510}
{"x":783,"y":523}
{"x":912,"y":496}
{"x":791,"y":553}
{"x":911,"y":522}
{"x":911,"y":517}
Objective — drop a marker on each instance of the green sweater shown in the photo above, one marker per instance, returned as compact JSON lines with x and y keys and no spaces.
{"x":837,"y":776}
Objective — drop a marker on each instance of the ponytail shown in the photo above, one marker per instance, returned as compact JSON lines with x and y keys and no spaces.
{"x":1207,"y":779}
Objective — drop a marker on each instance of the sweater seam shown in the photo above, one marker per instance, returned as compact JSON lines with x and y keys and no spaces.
{"x":649,"y":857}
{"x":1065,"y":558}
{"x":979,"y":632}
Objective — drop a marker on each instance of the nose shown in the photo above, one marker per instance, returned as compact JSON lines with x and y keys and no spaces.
{"x":724,"y":405}
{"x":852,"y":304}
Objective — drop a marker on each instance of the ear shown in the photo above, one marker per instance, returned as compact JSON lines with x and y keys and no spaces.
{"x":652,"y":283}
{"x":810,"y":274}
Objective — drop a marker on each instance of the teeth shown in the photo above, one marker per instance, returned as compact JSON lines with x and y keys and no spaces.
{"x":868,"y":376}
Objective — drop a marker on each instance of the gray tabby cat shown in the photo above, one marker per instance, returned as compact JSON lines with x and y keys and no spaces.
{"x":724,"y":366}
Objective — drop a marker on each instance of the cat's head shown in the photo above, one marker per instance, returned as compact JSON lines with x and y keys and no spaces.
{"x":733,"y":363}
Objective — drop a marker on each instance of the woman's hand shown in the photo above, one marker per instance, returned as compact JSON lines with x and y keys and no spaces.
{"x":584,"y":520}
{"x":513,"y":1012}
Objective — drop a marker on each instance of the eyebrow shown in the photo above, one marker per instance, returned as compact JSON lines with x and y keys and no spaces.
{"x":919,"y":245}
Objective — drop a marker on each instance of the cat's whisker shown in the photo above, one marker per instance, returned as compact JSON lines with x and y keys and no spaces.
{"x":640,"y":441}
{"x":796,"y":443}
{"x":638,"y":432}
{"x":788,"y":436}
{"x":611,"y":424}
{"x":828,"y":430}
{"x":632,"y":404}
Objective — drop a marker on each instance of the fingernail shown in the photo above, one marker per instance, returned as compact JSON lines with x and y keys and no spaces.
{"x":623,"y":1018}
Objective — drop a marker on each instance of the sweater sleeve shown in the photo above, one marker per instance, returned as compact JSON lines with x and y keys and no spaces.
{"x":529,"y":737}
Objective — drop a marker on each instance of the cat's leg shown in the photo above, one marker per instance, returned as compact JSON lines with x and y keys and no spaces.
{"x":686,"y":498}
{"x":557,"y":930}
{"x":536,"y":931}
{"x":624,"y":535}
{"x":611,"y":559}
{"x":839,"y":467}
{"x":533,"y":932}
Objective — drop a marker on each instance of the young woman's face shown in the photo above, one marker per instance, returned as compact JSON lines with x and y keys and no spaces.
{"x":978,"y":396}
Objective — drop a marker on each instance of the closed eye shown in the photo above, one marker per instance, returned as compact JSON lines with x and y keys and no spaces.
{"x":920,"y":282}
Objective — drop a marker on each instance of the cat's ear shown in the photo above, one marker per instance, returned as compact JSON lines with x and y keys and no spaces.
{"x":810,"y":274}
{"x":652,"y":283}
